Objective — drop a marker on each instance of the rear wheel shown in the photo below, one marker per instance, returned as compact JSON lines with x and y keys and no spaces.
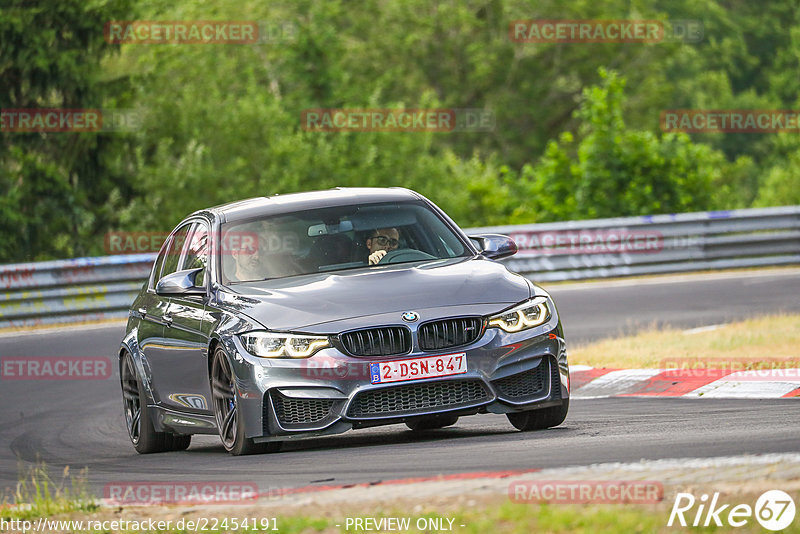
{"x":143,"y":435}
{"x":432,"y":422}
{"x":226,"y":410}
{"x":540,"y":419}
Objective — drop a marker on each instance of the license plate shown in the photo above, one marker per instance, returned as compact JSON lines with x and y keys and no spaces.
{"x":416,"y":368}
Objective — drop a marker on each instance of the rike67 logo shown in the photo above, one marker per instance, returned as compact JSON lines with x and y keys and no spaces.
{"x":774,"y":510}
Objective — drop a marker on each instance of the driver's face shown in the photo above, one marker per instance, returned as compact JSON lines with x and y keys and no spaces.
{"x":384,"y":239}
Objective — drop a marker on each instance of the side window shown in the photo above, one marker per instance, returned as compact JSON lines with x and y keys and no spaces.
{"x":172,"y":259}
{"x":197,"y":253}
{"x":159,"y":263}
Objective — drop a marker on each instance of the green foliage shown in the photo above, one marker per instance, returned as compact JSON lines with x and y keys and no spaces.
{"x":616,"y":171}
{"x":222,"y":122}
{"x":44,"y":495}
{"x":781,"y":186}
{"x":58,"y":191}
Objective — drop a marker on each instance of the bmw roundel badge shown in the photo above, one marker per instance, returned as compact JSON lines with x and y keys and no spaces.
{"x":410,"y":316}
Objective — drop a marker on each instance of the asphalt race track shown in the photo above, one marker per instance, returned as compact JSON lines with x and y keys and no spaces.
{"x":80,"y":424}
{"x":606,"y":309}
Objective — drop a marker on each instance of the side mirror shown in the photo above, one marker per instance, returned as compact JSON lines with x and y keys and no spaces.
{"x":180,"y":283}
{"x":494,"y":246}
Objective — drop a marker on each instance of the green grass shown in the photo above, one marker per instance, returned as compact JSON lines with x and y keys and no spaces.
{"x":504,"y":518}
{"x":67,"y":497}
{"x":512,"y":518}
{"x":757,"y":343}
{"x":44,"y":495}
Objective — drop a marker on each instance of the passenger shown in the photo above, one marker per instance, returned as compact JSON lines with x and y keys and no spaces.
{"x":247,"y":264}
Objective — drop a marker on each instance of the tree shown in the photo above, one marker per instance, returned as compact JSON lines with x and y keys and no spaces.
{"x":614,"y":171}
{"x":58,"y":191}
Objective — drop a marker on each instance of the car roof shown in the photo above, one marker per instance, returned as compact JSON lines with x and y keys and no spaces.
{"x":339,"y":196}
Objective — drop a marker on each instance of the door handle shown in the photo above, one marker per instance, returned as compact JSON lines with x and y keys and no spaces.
{"x":167,"y":319}
{"x":142,"y":312}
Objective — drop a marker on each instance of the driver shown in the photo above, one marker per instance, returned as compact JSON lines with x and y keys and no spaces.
{"x":380,"y":242}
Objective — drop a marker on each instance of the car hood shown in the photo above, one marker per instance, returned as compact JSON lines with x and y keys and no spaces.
{"x":333,"y":302}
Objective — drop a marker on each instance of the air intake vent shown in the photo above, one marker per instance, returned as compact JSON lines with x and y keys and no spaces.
{"x":291,"y":412}
{"x":415,"y":398}
{"x":385,"y":341}
{"x":523,"y":385}
{"x":438,"y":335}
{"x":555,"y":382}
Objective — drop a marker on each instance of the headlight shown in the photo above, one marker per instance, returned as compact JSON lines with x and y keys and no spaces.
{"x":532,"y":313}
{"x":277,"y":345}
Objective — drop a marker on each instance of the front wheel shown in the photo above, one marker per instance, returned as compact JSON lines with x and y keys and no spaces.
{"x":539,"y":419}
{"x":143,"y":435}
{"x":226,"y":410}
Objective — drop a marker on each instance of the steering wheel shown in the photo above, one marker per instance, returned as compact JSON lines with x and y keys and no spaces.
{"x":405,"y":254}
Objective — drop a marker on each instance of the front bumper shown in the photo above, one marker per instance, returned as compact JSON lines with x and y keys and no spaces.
{"x":331,"y":392}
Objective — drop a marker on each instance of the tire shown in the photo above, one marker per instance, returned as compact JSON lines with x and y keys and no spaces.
{"x":432,"y":422}
{"x":539,"y":419}
{"x":141,"y":431}
{"x":226,"y":412}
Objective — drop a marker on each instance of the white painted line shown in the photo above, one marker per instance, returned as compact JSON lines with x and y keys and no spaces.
{"x":616,"y":382}
{"x":744,"y":390}
{"x":765,"y":375}
{"x":574,"y":368}
{"x":701,"y":329}
{"x":680,"y":463}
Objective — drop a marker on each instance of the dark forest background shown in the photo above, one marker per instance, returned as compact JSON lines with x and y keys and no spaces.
{"x":577,"y":130}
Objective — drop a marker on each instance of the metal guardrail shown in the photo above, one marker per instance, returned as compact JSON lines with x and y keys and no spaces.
{"x":86,"y":289}
{"x":655,"y":244}
{"x":65,"y":291}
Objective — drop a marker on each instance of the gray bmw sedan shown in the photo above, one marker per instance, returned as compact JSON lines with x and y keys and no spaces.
{"x":309,"y":314}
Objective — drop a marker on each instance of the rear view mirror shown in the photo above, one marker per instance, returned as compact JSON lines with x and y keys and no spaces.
{"x":329,"y":229}
{"x":494,"y":246}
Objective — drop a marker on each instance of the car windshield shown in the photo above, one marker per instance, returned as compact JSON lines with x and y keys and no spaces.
{"x":333,"y":239}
